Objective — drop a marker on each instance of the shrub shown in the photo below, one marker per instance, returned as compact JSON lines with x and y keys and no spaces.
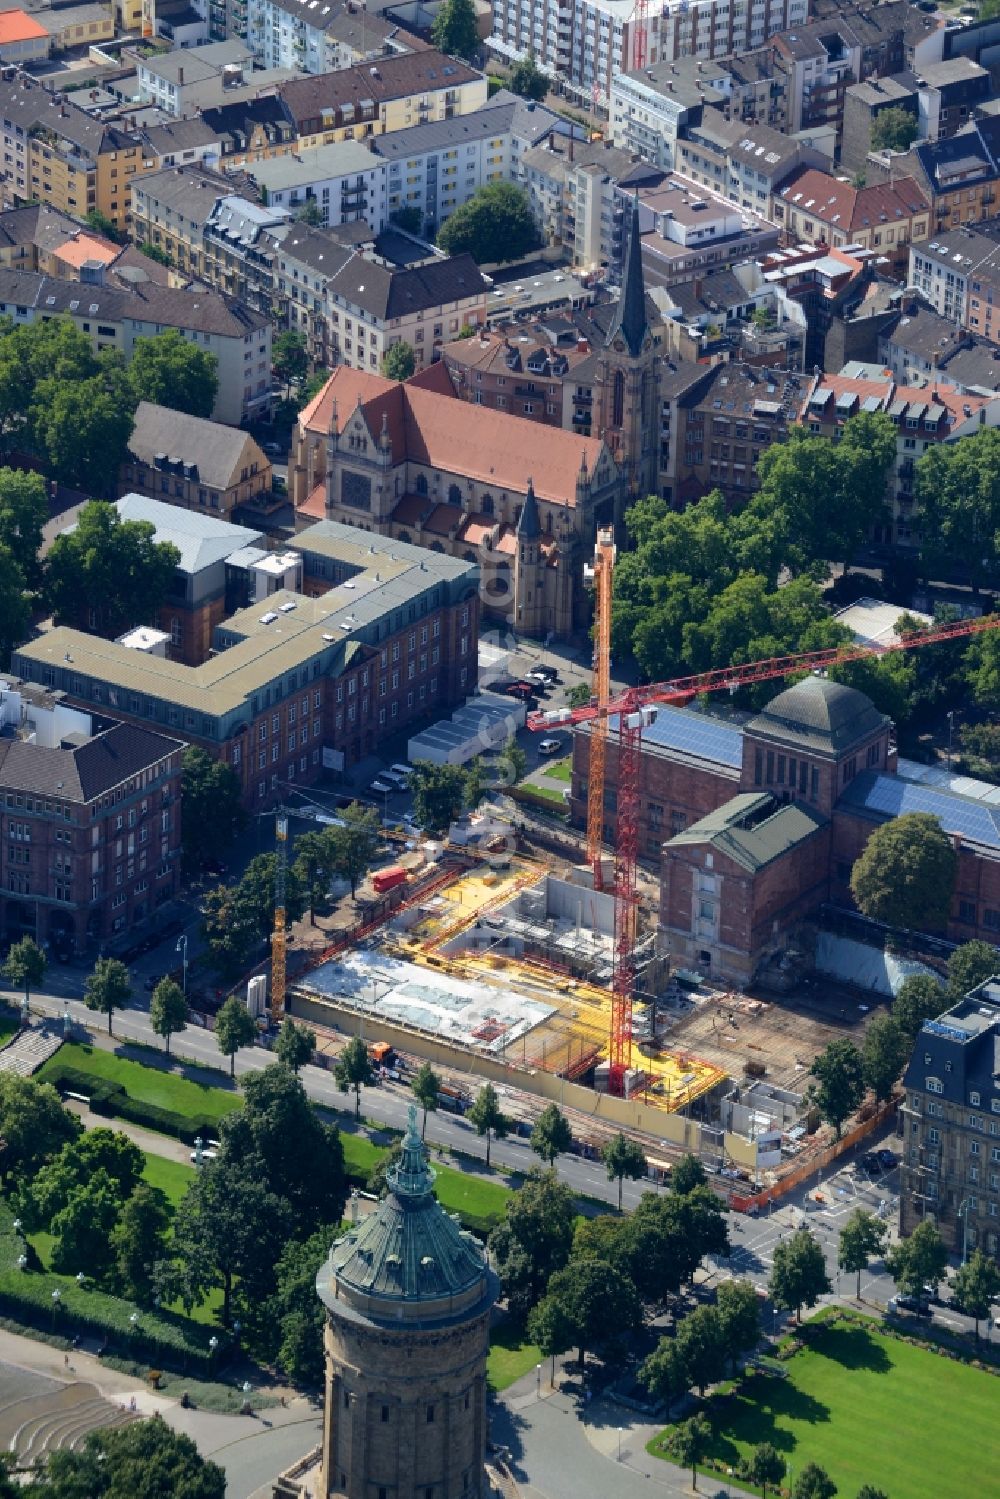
{"x":111,"y":1101}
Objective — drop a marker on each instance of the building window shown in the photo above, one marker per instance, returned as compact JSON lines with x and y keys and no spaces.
{"x":430,"y":1415}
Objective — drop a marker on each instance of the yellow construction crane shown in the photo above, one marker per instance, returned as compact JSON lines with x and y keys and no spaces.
{"x":278,"y":936}
{"x":601,"y":576}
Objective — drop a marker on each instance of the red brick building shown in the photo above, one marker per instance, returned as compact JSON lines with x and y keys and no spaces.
{"x":755,"y":826}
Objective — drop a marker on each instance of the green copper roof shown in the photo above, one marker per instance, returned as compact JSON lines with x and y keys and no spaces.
{"x":409,"y":1249}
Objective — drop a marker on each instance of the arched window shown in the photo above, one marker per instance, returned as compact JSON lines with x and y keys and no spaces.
{"x":436,"y":546}
{"x":486,"y":504}
{"x":454,"y":495}
{"x":404,"y":536}
{"x":421,"y":484}
{"x":618,"y":399}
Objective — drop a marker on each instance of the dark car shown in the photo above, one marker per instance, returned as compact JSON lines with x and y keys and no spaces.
{"x":919,"y":1306}
{"x":549,"y":672}
{"x":886,"y":1160}
{"x":870,"y":1163}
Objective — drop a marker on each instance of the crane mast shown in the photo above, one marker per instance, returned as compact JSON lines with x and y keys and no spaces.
{"x":635,"y":709}
{"x":601,"y":576}
{"x":278,"y":936}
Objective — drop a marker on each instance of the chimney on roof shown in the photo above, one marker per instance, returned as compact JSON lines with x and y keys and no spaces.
{"x":582,"y":346}
{"x":180,"y":77}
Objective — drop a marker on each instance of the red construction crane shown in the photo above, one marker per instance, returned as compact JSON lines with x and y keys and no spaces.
{"x":635,"y":709}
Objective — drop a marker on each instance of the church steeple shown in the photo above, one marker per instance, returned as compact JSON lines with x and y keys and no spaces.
{"x":529,"y":527}
{"x":630,"y":316}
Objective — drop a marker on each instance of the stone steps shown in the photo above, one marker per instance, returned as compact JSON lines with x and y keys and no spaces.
{"x":30,"y":1049}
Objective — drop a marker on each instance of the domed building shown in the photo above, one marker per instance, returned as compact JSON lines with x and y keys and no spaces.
{"x":408,"y":1296}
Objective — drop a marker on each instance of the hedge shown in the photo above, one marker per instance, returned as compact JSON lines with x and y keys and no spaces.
{"x":160,"y":1336}
{"x":111,"y":1100}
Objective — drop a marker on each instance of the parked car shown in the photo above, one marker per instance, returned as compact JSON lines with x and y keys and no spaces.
{"x":402,"y":769}
{"x":382,"y":787}
{"x":870,"y":1163}
{"x":549,"y":672}
{"x":887,"y":1160}
{"x":919,"y":1306}
{"x":538,"y":679}
{"x":551,"y":747}
{"x":273,"y":449}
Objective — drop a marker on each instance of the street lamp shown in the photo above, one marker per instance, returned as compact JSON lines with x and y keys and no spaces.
{"x":538,"y":1381}
{"x":619,"y":1444}
{"x":199,"y":1146}
{"x":80,"y":1278}
{"x":951,"y":725}
{"x":963,"y":1213}
{"x":182,"y":947}
{"x":56,"y":1298}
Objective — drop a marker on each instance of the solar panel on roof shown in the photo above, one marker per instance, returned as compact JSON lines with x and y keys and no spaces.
{"x":894,"y":797}
{"x":692,"y":734}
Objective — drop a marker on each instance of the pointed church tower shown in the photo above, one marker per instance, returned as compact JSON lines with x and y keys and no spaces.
{"x":629,"y":377}
{"x":529,"y":567}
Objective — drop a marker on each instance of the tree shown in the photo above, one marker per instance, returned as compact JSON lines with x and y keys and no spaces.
{"x":34,"y":1126}
{"x":597,"y":1301}
{"x":82,"y":1229}
{"x":883,"y":1055}
{"x":862,"y":1238}
{"x":765,"y":1465}
{"x":623,"y":1157}
{"x":456,"y":29}
{"x":229,"y":1227}
{"x":488,"y":1117}
{"x":14,"y":608}
{"x":687,"y":1174}
{"x":314,"y":867}
{"x":440,"y":794}
{"x":552,"y":1328}
{"x":109,"y":988}
{"x":24,"y":510}
{"x":894,"y":129}
{"x":426,"y":1085}
{"x":920,"y":997}
{"x":958,"y":505}
{"x":101,"y":224}
{"x":98,"y":1150}
{"x":295,"y":1044}
{"x":235,"y":1027}
{"x":527,"y":79}
{"x":143,"y":1460}
{"x":289,"y":357}
{"x":231,"y":928}
{"x":513,"y":762}
{"x":256,"y":891}
{"x":551,"y":1136}
{"x":211,"y":806}
{"x":354,"y":1070}
{"x":168,"y":1010}
{"x":919,"y":1260}
{"x":295,"y":1312}
{"x":689,"y":1443}
{"x":352,"y":846}
{"x":25,"y":966}
{"x":139,"y":1241}
{"x":534,"y":1240}
{"x":798,"y":1274}
{"x":663,"y":1373}
{"x":975,"y":1286}
{"x":841,"y":1087}
{"x":399,"y":361}
{"x":279,"y":1136}
{"x":82,"y":430}
{"x":969,"y":965}
{"x":738,"y":1306}
{"x":702,"y":1347}
{"x":109,"y":569}
{"x":814,"y":1483}
{"x":171,"y":370}
{"x":579,"y":696}
{"x":495,"y":224}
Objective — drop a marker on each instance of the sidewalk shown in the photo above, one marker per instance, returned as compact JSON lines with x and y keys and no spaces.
{"x":146,"y":1139}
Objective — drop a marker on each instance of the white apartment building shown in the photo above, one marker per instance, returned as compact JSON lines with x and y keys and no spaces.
{"x":189,"y":79}
{"x":289,"y":34}
{"x":585,"y":44}
{"x":649,"y":110}
{"x":949,"y":268}
{"x":346,"y":180}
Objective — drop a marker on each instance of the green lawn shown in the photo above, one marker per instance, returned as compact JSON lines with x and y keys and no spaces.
{"x":869,"y":1409}
{"x":172,"y":1178}
{"x":167,"y":1090}
{"x":360,"y":1155}
{"x":547,"y":793}
{"x":479,"y":1202}
{"x":510,"y":1355}
{"x":9,"y":1024}
{"x":560,"y":770}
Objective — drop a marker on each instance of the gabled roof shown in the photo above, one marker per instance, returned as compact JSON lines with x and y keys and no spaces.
{"x":843,"y":207}
{"x":220,"y":453}
{"x":202,"y":540}
{"x":752,"y":829}
{"x":85,"y":771}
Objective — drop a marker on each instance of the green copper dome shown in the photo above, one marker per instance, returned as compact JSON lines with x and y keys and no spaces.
{"x":409,"y":1250}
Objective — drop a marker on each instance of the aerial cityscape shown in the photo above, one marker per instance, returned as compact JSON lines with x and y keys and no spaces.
{"x":499,"y":745}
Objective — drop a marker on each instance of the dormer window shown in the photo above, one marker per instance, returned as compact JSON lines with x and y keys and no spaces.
{"x":974,"y":1100}
{"x":934,"y":1085}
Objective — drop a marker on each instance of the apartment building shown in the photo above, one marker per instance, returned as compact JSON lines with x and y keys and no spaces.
{"x":959,"y":274}
{"x":93,"y":821}
{"x":346,"y":181}
{"x":586,"y":46}
{"x":311,"y":684}
{"x":748,"y":164}
{"x":688,"y":231}
{"x":113,"y":318}
{"x":22,"y":38}
{"x":55,"y":152}
{"x":920,"y":348}
{"x":723,"y":426}
{"x":352,"y":306}
{"x":815,"y":208}
{"x":69,"y":26}
{"x":436,"y":168}
{"x":188,"y":79}
{"x":578,"y":192}
{"x":651,"y":109}
{"x":393,"y":94}
{"x":960,"y":174}
{"x":922,"y":416}
{"x":950,"y":1166}
{"x":193,"y":463}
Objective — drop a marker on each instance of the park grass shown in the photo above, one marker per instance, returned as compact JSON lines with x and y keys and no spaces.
{"x":172,"y":1178}
{"x":511,"y":1355}
{"x":152,"y":1085}
{"x":547,"y":793}
{"x":869,"y":1409}
{"x":361,"y":1156}
{"x":481,"y":1204}
{"x":9,"y":1024}
{"x":560,"y":770}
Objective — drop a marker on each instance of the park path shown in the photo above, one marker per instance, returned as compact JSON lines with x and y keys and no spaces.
{"x":146,"y":1139}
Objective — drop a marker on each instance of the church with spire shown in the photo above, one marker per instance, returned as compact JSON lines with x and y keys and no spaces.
{"x":410,"y":459}
{"x":627,"y":377}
